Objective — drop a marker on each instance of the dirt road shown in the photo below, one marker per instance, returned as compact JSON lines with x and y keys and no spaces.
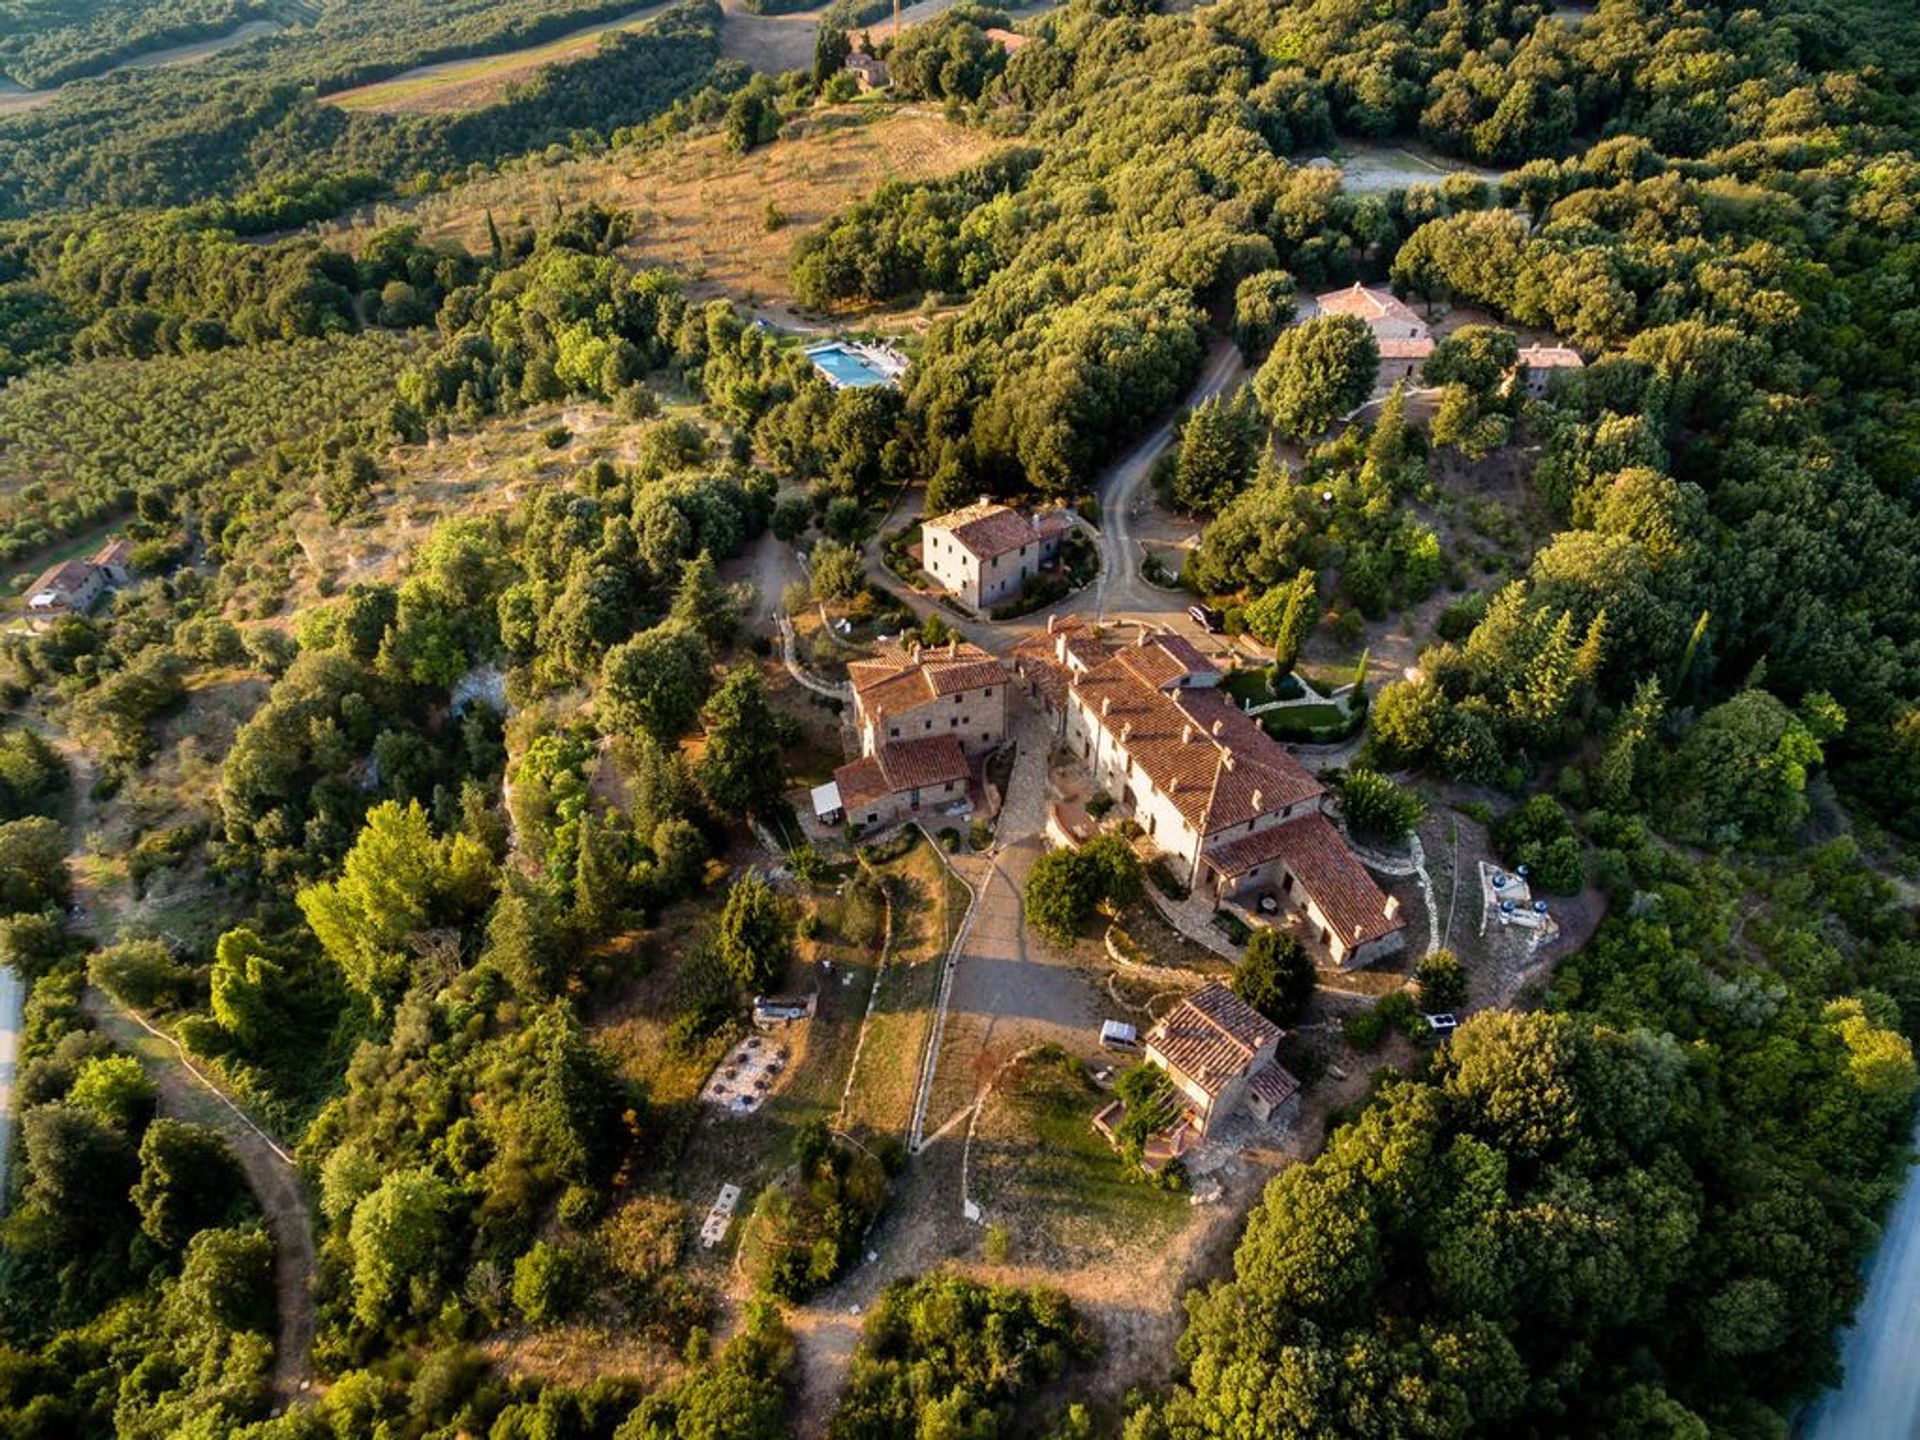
{"x":187,"y":1093}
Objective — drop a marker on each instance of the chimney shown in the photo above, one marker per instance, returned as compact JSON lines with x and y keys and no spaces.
{"x":986,"y":499}
{"x":1126,"y":732}
{"x":1186,"y":734}
{"x":1052,"y":617}
{"x":915,"y":652}
{"x":1060,"y":649}
{"x":953,"y":648}
{"x":1216,"y":726}
{"x":1141,"y":638}
{"x":1226,"y":758}
{"x":1106,"y":704}
{"x":1173,"y":785}
{"x":1256,"y":800}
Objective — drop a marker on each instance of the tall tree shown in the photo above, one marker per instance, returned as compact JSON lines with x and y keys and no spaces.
{"x":742,"y":770}
{"x":1318,"y":371}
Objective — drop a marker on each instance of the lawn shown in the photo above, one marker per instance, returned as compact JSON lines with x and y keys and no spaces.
{"x":928,"y":901}
{"x":1256,"y":685}
{"x":1038,"y":1168}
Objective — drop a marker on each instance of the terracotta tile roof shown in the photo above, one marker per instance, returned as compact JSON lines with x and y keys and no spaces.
{"x":1219,"y":768}
{"x":929,"y":760}
{"x":1417,"y":348}
{"x":1049,"y":676}
{"x":1368,"y":304}
{"x":1324,"y":867}
{"x":63,"y":579}
{"x":898,"y":680}
{"x":987,"y":529}
{"x":1550,"y":357}
{"x":1153,"y":663}
{"x":861,"y":783}
{"x":1211,"y":1037}
{"x":1238,"y":856}
{"x":115,"y":552}
{"x":900,"y":766}
{"x":1274,"y":1084}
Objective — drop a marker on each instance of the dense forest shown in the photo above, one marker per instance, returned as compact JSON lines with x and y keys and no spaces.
{"x":468,"y":806}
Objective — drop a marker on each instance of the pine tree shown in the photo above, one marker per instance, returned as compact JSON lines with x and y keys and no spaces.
{"x":742,"y":770}
{"x":700,"y":603}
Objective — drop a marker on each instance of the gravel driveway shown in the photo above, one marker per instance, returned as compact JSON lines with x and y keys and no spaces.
{"x":1010,"y":990}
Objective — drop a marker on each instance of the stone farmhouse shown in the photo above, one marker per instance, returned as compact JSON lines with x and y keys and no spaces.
{"x":1538,"y":364}
{"x":869,"y":70}
{"x":75,"y":586}
{"x":1403,"y":337}
{"x":1223,"y":802}
{"x":984,"y":552}
{"x":920,"y":715}
{"x":1219,"y":1053}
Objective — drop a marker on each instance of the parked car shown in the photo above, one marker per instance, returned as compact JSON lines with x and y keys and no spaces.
{"x":1442,"y":1024}
{"x":1118,"y":1035}
{"x":1207,"y":618}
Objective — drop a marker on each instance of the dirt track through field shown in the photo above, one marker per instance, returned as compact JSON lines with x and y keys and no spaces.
{"x":187,"y":1093}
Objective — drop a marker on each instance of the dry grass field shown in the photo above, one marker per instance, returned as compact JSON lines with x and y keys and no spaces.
{"x":701,"y":210}
{"x":473,"y":84}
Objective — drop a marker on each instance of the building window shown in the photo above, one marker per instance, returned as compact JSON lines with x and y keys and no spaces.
{"x":953,"y":722}
{"x":929,"y":724}
{"x":988,"y":692}
{"x":894,"y":731}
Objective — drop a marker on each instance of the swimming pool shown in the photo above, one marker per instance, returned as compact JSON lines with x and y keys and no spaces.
{"x":847,"y":368}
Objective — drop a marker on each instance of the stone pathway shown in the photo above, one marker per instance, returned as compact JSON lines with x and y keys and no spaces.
{"x":1415,"y":864}
{"x":789,"y":652}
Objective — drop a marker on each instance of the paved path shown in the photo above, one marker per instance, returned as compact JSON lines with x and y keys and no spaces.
{"x":186,"y":1092}
{"x":1009,"y":990}
{"x":1120,"y":590}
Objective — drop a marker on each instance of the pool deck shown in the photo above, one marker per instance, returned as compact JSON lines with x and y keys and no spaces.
{"x":857,"y":367}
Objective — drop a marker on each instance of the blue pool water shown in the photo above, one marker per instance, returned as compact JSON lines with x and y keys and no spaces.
{"x":843,"y":367}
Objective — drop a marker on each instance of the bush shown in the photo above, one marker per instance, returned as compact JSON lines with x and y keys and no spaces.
{"x":1443,"y":983}
{"x":1376,"y":808}
{"x":1276,"y":975}
{"x":1365,"y":1029}
{"x":546,"y":1283}
{"x":1539,"y":836}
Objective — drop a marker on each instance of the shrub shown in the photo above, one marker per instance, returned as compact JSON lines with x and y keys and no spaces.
{"x":1443,"y":982}
{"x":1275,"y":976}
{"x":1539,"y":836}
{"x":546,"y":1283}
{"x":1365,"y":1029}
{"x":1376,"y":808}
